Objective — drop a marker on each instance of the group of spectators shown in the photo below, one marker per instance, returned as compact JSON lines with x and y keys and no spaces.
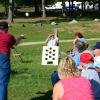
{"x":78,"y":76}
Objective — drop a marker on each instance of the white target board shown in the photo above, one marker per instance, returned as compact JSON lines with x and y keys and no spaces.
{"x":50,"y":55}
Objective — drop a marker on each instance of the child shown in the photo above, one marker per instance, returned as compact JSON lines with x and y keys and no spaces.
{"x":52,"y":40}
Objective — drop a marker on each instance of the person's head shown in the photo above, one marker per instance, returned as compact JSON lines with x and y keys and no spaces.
{"x":52,"y":36}
{"x":79,"y":35}
{"x":96,"y":49}
{"x":97,"y":59}
{"x":80,"y":46}
{"x":4,"y":26}
{"x":86,"y":60}
{"x":67,"y":68}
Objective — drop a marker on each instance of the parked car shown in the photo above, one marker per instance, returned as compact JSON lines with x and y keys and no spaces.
{"x":70,"y":7}
{"x":59,"y":6}
{"x":50,"y":7}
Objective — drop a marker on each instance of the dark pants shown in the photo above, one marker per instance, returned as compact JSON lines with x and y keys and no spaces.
{"x":54,"y":78}
{"x":4,"y":75}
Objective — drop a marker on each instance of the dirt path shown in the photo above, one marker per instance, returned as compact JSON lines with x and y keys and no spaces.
{"x":61,"y":41}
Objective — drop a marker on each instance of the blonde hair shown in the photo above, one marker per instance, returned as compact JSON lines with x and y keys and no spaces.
{"x":67,"y":68}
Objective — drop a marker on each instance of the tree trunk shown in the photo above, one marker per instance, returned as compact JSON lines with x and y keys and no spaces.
{"x":43,"y":9}
{"x":93,"y":5}
{"x":10,"y":12}
{"x":6,"y":7}
{"x":72,"y":6}
{"x":69,"y":4}
{"x":82,"y":6}
{"x":36,"y":7}
{"x":98,"y":5}
{"x":63,"y":8}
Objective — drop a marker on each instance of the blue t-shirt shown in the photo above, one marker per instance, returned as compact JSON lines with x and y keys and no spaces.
{"x":83,"y":40}
{"x":76,"y":59}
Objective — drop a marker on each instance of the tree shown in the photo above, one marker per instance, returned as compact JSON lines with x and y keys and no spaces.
{"x":10,"y":11}
{"x":43,"y":9}
{"x":98,"y":5}
{"x":24,"y":2}
{"x":36,"y":3}
{"x":6,"y":6}
{"x":63,"y":8}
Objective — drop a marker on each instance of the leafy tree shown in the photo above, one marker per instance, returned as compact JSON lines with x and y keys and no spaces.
{"x":2,"y":1}
{"x":5,"y":4}
{"x":24,"y":2}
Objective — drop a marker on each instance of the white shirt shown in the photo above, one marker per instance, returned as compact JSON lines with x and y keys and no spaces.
{"x":52,"y":42}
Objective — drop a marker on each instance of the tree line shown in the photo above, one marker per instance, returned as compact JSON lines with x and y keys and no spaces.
{"x":11,"y":4}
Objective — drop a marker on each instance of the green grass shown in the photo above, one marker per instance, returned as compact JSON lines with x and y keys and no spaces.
{"x":65,"y":30}
{"x":29,"y":79}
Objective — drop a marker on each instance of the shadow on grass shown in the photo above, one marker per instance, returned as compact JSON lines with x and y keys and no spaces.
{"x":27,"y":61}
{"x":19,"y":61}
{"x":68,"y":51}
{"x":45,"y":96}
{"x":14,"y":72}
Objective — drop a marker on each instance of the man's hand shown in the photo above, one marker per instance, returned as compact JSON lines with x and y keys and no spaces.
{"x":22,"y":36}
{"x":19,"y":39}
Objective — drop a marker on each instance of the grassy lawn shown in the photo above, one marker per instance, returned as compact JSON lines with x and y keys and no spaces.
{"x":29,"y":79}
{"x":90,"y":29}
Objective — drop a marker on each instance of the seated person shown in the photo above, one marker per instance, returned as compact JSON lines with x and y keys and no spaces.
{"x":80,"y":37}
{"x":72,"y":86}
{"x":52,"y":40}
{"x":79,"y":47}
{"x":96,"y":50}
{"x":90,"y":73}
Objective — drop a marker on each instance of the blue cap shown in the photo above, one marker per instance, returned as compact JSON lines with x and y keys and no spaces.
{"x":96,"y":46}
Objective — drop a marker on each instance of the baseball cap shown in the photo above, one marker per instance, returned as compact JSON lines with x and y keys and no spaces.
{"x":3,"y":24}
{"x":86,"y":58}
{"x":96,"y":46}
